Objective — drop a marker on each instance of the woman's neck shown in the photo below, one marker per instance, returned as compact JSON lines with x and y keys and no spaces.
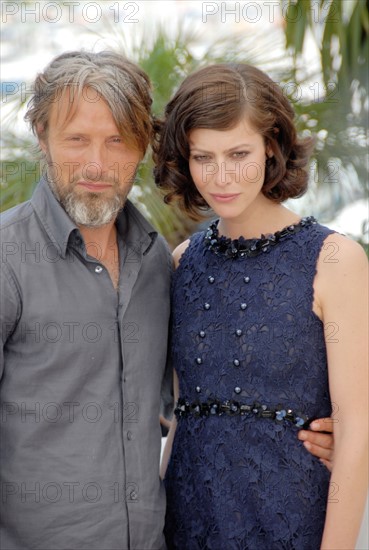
{"x":260,"y":221}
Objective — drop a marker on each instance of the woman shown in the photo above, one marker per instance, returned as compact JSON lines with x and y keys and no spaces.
{"x":269,"y":330}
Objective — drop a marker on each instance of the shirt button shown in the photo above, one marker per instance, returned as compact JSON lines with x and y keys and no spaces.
{"x":206,"y":306}
{"x":129,"y":436}
{"x":199,"y":360}
{"x":236,"y":362}
{"x":202,"y":334}
{"x":238,"y":332}
{"x":246,"y":279}
{"x":133,"y":495}
{"x":211,"y":279}
{"x":98,"y":269}
{"x":237,"y":389}
{"x":243,"y":306}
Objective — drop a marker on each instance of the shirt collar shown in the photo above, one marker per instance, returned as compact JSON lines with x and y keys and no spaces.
{"x":52,"y":216}
{"x":131,"y":224}
{"x":135,"y":230}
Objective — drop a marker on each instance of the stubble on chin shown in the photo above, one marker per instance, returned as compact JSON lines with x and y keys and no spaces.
{"x":92,"y":210}
{"x":88,"y":208}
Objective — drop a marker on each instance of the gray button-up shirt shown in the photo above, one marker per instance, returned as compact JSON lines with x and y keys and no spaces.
{"x":81,"y":371}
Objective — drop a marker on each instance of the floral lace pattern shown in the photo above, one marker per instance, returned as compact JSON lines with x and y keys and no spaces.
{"x":247,"y":333}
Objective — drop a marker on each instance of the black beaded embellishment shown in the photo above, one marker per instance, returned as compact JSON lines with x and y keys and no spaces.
{"x":240,"y":248}
{"x":234,"y":408}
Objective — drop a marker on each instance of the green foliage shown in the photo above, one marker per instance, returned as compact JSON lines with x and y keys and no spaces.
{"x":19,"y":171}
{"x":338,"y":109}
{"x":167,"y":58}
{"x":348,"y":21}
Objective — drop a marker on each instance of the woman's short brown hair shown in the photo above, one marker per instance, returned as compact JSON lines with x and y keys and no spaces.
{"x":217,"y":97}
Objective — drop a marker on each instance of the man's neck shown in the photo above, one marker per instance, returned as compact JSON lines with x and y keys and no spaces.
{"x":99,"y":241}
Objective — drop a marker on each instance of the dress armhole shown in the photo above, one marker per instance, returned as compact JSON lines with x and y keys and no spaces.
{"x":330,"y":250}
{"x":178,"y":253}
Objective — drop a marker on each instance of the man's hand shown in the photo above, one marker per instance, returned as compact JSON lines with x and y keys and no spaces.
{"x":317,"y":443}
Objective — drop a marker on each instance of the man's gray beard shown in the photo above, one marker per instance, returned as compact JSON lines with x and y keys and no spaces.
{"x":90,"y":209}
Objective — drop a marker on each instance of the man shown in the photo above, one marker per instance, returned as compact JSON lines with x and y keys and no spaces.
{"x":84,"y":318}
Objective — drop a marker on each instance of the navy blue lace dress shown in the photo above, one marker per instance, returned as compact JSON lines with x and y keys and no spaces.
{"x":251,"y":360}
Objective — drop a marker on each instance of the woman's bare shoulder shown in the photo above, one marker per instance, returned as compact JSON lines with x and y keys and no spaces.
{"x":178,"y":252}
{"x":342,"y":265}
{"x":341,"y":254}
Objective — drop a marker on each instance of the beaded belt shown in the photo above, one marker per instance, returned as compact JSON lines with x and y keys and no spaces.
{"x":234,"y":408}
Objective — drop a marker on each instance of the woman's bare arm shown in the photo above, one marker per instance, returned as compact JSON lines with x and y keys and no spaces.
{"x":342,"y":287}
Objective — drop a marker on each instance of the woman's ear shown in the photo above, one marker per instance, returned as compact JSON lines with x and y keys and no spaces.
{"x":268,"y":149}
{"x":269,"y":152}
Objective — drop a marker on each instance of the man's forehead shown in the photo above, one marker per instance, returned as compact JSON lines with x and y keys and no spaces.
{"x":69,"y":100}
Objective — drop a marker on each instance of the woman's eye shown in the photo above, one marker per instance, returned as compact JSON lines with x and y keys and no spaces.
{"x":201,"y":158}
{"x":117,"y":140}
{"x":239,"y":154}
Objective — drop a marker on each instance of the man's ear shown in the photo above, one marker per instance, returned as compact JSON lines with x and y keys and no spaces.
{"x":41,"y":136}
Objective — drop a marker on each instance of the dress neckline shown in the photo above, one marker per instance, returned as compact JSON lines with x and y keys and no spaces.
{"x":246,"y":248}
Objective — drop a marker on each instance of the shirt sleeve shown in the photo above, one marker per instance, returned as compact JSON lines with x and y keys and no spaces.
{"x":10,"y":307}
{"x":167,"y":398}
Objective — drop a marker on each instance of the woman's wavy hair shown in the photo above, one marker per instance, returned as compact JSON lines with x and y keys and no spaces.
{"x":218,"y":97}
{"x":124,"y":86}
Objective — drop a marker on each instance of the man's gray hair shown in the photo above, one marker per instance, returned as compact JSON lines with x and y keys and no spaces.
{"x":123,"y":85}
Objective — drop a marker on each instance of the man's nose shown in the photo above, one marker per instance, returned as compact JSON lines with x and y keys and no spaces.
{"x":95,"y":162}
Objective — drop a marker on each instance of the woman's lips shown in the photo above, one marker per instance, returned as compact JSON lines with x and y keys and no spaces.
{"x":225,"y":198}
